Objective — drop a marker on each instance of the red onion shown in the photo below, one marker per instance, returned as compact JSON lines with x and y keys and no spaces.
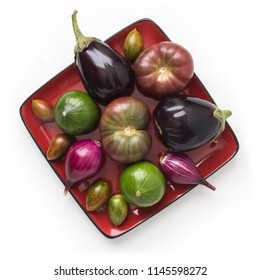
{"x":179,"y":168}
{"x":84,"y":159}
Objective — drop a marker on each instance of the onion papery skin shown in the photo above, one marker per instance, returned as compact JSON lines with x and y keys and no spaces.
{"x":179,"y":168}
{"x":84,"y":159}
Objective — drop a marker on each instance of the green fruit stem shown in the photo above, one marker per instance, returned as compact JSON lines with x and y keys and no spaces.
{"x":82,"y":41}
{"x":221,"y":116}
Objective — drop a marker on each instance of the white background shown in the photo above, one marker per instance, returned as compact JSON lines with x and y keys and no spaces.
{"x":41,"y":229}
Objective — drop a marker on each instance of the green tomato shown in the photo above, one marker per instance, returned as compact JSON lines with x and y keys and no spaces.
{"x":97,"y":195}
{"x":133,"y":45}
{"x":142,"y":184}
{"x":76,"y":113}
{"x":117,"y":209}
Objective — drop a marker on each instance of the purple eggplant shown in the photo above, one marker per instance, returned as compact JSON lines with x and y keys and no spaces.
{"x":185,"y":123}
{"x":105,"y":73}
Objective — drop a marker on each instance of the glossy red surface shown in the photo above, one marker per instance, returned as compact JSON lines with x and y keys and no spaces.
{"x":209,"y":158}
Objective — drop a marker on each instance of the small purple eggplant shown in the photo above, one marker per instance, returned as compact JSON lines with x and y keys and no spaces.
{"x":185,"y":123}
{"x":105,"y":73}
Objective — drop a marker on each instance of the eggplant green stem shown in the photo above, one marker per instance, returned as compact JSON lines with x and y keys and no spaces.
{"x":82,"y":41}
{"x":222,"y":116}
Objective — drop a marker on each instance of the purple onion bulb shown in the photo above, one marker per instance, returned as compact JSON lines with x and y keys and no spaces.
{"x":179,"y":168}
{"x":84,"y":159}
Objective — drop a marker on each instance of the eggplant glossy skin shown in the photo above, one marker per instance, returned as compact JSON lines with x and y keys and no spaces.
{"x":185,"y":123}
{"x":105,"y":73}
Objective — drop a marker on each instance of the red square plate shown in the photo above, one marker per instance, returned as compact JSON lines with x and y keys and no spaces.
{"x":209,"y":158}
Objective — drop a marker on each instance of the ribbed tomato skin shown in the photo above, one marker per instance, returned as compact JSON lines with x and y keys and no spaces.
{"x":163,"y":69}
{"x":123,"y":129}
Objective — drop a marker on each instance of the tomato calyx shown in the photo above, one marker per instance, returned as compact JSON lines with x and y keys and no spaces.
{"x":163,"y":69}
{"x":128,"y":130}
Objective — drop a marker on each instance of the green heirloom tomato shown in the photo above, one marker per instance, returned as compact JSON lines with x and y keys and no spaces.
{"x":97,"y":195}
{"x":133,"y":45}
{"x":142,"y":184}
{"x":122,"y":128}
{"x":42,"y":110}
{"x":59,"y":146}
{"x":117,"y":209}
{"x":76,"y":113}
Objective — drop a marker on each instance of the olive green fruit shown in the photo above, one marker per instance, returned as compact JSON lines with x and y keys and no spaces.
{"x":142,"y":184}
{"x":76,"y":113}
{"x":59,"y":146}
{"x":117,"y":209}
{"x":43,"y":110}
{"x":97,"y":195}
{"x":133,"y":45}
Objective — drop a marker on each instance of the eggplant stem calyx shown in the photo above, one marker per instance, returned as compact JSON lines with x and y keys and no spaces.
{"x":221,"y":116}
{"x":82,"y":41}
